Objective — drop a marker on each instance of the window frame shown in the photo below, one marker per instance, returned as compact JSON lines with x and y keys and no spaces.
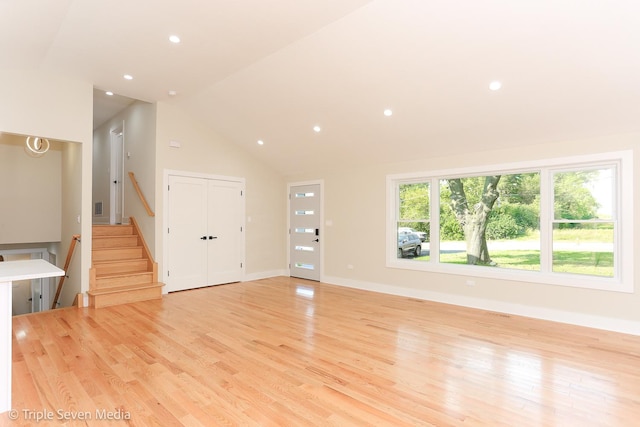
{"x":623,"y":278}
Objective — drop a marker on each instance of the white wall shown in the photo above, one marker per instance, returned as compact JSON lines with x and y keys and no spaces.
{"x":203,"y":151}
{"x":30,"y":193}
{"x":355,"y":203}
{"x":47,"y":105}
{"x":71,"y":203}
{"x":140,"y":142}
{"x":100,"y":172}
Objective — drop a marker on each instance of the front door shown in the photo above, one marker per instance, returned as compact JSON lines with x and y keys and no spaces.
{"x":305,"y":236}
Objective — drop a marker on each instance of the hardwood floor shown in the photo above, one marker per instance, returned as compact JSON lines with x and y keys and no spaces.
{"x":288,"y":352}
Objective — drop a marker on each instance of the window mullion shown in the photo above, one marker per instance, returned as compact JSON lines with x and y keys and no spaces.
{"x":546,"y":221}
{"x":617,"y":215}
{"x":434,"y":225}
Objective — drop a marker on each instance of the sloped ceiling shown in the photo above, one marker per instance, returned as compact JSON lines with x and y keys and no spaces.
{"x":273,"y":69}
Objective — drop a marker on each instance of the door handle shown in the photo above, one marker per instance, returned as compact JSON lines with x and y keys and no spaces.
{"x":203,"y":238}
{"x":213,"y":237}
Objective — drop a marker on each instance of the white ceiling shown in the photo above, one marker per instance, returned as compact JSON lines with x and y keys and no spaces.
{"x":272,"y":69}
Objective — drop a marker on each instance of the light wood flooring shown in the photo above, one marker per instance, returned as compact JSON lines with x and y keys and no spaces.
{"x":288,"y":352}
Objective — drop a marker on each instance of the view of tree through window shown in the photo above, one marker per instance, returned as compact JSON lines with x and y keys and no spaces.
{"x":494,"y":221}
{"x":491,"y":220}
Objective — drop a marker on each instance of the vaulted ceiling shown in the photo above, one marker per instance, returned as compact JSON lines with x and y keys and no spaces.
{"x":271,"y":70}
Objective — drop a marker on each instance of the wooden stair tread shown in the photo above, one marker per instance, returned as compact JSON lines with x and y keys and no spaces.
{"x":121,"y":266}
{"x":130,"y":269}
{"x":112,"y":230}
{"x":125,"y":274}
{"x":118,"y":254}
{"x":119,"y":248}
{"x":113,"y":242}
{"x":121,"y":273}
{"x":114,"y":261}
{"x":96,"y":292}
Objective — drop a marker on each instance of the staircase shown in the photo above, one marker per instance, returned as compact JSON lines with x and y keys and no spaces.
{"x":122,"y":270}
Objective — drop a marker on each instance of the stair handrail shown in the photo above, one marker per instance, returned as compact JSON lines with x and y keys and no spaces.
{"x":75,"y":238}
{"x":140,"y":195}
{"x":145,"y":248}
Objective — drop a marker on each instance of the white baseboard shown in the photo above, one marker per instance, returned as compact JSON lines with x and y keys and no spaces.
{"x":264,"y":275}
{"x":572,"y":318}
{"x":85,"y":299}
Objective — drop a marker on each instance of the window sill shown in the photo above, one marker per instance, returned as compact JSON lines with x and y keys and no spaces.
{"x":556,"y":279}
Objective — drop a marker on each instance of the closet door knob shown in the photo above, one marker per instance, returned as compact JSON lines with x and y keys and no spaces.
{"x":203,"y":238}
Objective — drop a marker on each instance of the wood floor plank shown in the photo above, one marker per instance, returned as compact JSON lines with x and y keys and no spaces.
{"x":290,"y":352}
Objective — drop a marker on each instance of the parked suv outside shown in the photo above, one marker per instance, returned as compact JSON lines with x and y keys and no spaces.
{"x":409,"y":242}
{"x":421,"y":234}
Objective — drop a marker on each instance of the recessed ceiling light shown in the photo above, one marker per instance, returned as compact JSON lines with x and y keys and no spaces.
{"x":316,"y":129}
{"x":174,"y":39}
{"x":495,"y":85}
{"x":109,"y":93}
{"x":260,"y":142}
{"x":388,"y":112}
{"x":128,"y":77}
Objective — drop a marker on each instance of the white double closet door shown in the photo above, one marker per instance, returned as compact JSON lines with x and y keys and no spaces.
{"x":205,"y":232}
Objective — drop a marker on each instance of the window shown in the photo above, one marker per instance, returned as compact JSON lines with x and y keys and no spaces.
{"x":413,"y":219}
{"x":584,"y":221}
{"x":561,"y":221}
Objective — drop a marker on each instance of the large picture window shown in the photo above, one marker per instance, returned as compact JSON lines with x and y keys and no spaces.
{"x":561,"y":221}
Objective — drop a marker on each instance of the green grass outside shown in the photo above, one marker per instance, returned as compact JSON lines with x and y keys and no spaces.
{"x":572,"y":235}
{"x":589,"y":263}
